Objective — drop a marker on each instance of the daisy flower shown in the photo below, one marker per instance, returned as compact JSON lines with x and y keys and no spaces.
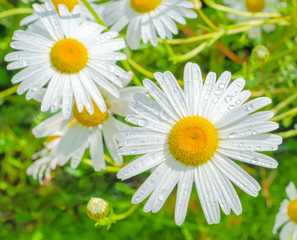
{"x":44,"y":162}
{"x":146,"y":18}
{"x":70,"y":57}
{"x":191,"y":135}
{"x":70,"y":4}
{"x":253,"y":6}
{"x":287,"y":215}
{"x":83,"y":131}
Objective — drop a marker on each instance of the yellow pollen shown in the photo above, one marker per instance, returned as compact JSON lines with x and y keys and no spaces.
{"x":70,"y":4}
{"x":143,"y":6}
{"x":69,"y":56}
{"x":292,"y":210}
{"x":255,"y":5}
{"x":88,"y":120}
{"x":74,"y":121}
{"x":193,"y":140}
{"x":52,"y":138}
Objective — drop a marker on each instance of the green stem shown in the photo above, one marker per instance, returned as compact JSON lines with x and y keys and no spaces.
{"x":207,"y":20}
{"x":245,"y":14}
{"x":125,"y":214}
{"x":230,"y":30}
{"x":288,"y":134}
{"x":93,"y":12}
{"x":135,"y":79}
{"x":196,"y":50}
{"x":111,"y":169}
{"x":285,"y":114}
{"x":16,"y":11}
{"x":272,"y":91}
{"x":8,"y":91}
{"x":140,"y":69}
{"x":285,"y":103}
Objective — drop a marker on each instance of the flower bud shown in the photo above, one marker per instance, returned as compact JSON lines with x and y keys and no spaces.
{"x":97,"y":209}
{"x":260,"y":54}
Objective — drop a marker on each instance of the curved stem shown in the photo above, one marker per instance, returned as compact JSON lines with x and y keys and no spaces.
{"x":93,"y":12}
{"x":245,"y":14}
{"x":232,"y":29}
{"x":125,"y":214}
{"x":8,"y":91}
{"x":285,"y":103}
{"x":292,"y":112}
{"x":16,"y":11}
{"x":287,"y":134}
{"x":140,"y":68}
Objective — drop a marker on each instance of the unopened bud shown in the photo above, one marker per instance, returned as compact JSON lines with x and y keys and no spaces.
{"x":97,"y":209}
{"x":260,"y":53}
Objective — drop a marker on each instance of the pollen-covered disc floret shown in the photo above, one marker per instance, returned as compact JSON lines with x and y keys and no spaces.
{"x":143,"y":6}
{"x":192,"y":135}
{"x":287,"y":215}
{"x":292,"y":210}
{"x":82,"y":131}
{"x":71,"y":58}
{"x":89,"y":120}
{"x":254,"y":8}
{"x":146,"y":18}
{"x":255,"y":5}
{"x":193,"y":140}
{"x":70,"y":4}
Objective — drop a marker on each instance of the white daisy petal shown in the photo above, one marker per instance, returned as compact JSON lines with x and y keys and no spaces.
{"x":145,"y":107}
{"x":244,"y":110}
{"x":163,"y":189}
{"x":193,"y":86}
{"x":77,"y":156}
{"x":280,"y":219}
{"x":286,"y":231}
{"x":247,"y":129}
{"x":183,"y":195}
{"x":237,"y":175}
{"x":291,"y":191}
{"x":227,"y":189}
{"x":110,"y":132}
{"x":147,"y":19}
{"x":184,"y":140}
{"x":141,"y":164}
{"x":150,"y":184}
{"x":160,"y":97}
{"x":120,"y":105}
{"x":232,"y":91}
{"x":44,"y":62}
{"x":208,"y":203}
{"x":73,"y":139}
{"x":97,"y":150}
{"x":217,"y":93}
{"x":169,"y":85}
{"x":209,"y":84}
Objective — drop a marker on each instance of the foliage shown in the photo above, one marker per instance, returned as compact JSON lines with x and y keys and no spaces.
{"x":57,"y":211}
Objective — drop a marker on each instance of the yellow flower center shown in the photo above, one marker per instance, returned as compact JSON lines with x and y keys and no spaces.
{"x":255,"y":5}
{"x":143,"y":6}
{"x":292,"y":210}
{"x":70,"y":4}
{"x":193,"y":140}
{"x":69,"y":56}
{"x":88,"y":120}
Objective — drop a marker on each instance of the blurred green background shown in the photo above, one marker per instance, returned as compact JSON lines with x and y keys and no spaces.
{"x":57,"y":211}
